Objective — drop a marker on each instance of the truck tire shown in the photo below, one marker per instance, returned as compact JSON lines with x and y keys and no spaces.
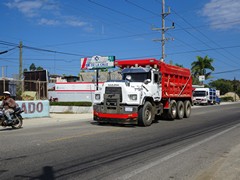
{"x":180,"y":110}
{"x":187,"y":109}
{"x":145,"y":114}
{"x":172,"y":111}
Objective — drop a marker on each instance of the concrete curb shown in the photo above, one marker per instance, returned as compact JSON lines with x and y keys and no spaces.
{"x":71,"y":109}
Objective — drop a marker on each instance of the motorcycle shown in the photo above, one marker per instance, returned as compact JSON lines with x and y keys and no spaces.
{"x":17,"y":120}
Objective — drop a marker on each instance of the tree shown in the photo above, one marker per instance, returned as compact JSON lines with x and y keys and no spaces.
{"x":39,"y":68}
{"x":32,"y":67}
{"x":223,"y":85}
{"x":200,"y":67}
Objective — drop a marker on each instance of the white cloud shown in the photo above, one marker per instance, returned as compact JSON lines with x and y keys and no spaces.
{"x":49,"y":22}
{"x":47,"y":12}
{"x":222,"y":14}
{"x":31,"y":8}
{"x":73,"y":21}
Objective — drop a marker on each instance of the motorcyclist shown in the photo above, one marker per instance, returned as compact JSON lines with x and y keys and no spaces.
{"x":9,"y":105}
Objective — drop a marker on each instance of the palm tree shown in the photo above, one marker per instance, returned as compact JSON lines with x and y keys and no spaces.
{"x":200,"y":67}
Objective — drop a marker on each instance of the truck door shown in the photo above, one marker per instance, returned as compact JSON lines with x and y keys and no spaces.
{"x":156,"y":87}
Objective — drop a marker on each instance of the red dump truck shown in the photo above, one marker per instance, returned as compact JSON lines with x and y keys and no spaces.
{"x":149,"y":89}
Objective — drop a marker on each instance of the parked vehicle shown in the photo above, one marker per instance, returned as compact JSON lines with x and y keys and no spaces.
{"x":205,"y":96}
{"x":17,"y":120}
{"x":149,"y":89}
{"x":218,"y":100}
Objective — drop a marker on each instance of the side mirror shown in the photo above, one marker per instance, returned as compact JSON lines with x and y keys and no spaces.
{"x":128,"y":77}
{"x":146,"y":81}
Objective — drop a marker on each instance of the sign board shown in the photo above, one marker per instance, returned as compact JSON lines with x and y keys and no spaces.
{"x":97,"y":62}
{"x":33,"y":109}
{"x":201,"y":78}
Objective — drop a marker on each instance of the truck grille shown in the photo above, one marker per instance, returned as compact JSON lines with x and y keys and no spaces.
{"x":111,"y":102}
{"x":114,"y":90}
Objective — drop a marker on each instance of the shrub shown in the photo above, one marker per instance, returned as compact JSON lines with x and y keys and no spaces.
{"x":227,"y":98}
{"x":82,"y":103}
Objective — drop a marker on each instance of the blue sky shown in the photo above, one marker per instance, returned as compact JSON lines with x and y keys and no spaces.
{"x":57,"y":33}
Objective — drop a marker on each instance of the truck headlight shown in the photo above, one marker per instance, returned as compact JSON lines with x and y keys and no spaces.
{"x":132,"y":97}
{"x":97,"y":96}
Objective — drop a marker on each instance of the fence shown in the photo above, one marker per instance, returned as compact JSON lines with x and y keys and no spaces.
{"x":24,"y":89}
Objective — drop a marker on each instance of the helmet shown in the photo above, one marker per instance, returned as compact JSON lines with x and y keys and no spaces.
{"x":6,"y":92}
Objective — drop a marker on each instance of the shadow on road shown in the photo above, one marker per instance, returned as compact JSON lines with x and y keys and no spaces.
{"x":47,"y":174}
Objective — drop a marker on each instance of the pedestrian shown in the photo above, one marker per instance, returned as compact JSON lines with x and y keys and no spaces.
{"x":8,"y":104}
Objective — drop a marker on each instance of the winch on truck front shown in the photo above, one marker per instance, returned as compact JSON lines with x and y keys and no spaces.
{"x":149,"y":88}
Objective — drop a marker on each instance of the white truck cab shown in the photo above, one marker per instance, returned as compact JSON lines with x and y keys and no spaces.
{"x":204,"y":96}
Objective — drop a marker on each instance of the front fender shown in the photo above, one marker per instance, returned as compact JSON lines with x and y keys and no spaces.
{"x":145,"y":99}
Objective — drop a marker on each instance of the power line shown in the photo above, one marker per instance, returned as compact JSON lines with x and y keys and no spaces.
{"x":8,"y":43}
{"x":180,"y":27}
{"x":38,"y":49}
{"x":101,"y":19}
{"x":229,"y":71}
{"x":185,"y":52}
{"x":197,"y":37}
{"x":202,"y":26}
{"x":134,"y":4}
{"x":40,"y":59}
{"x":105,"y":39}
{"x":118,"y":12}
{"x":51,"y":51}
{"x":205,"y":36}
{"x":181,"y":52}
{"x":6,"y":51}
{"x":132,"y":35}
{"x":209,"y":49}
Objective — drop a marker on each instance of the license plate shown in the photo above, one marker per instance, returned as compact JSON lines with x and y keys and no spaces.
{"x":128,"y":109}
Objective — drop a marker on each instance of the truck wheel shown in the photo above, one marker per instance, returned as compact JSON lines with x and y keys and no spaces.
{"x":172,"y":111}
{"x":145,"y":114}
{"x":180,"y":109}
{"x":187,"y":109}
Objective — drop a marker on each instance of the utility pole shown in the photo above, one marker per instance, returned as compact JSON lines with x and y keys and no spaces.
{"x":235,"y":88}
{"x":3,"y":78}
{"x":163,"y":29}
{"x":20,"y":84}
{"x":20,"y":61}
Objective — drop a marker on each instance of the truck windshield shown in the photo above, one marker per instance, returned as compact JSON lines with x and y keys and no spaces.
{"x":137,"y":77}
{"x":199,"y":93}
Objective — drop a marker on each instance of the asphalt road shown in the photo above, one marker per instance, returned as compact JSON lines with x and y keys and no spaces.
{"x":192,"y":148}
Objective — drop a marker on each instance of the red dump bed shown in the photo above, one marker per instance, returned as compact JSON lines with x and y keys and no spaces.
{"x":176,"y":81}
